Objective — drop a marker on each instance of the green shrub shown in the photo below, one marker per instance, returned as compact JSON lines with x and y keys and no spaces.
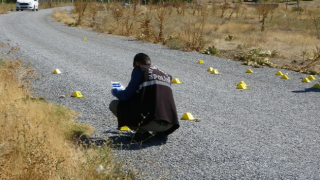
{"x":294,"y":9}
{"x":211,"y":50}
{"x":230,"y":38}
{"x":255,"y":58}
{"x":173,"y":43}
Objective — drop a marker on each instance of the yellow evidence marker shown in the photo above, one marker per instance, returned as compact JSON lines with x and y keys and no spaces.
{"x":200,"y":62}
{"x":77,"y":94}
{"x":284,"y":77}
{"x":176,"y":80}
{"x":124,"y":128}
{"x":210,"y":69}
{"x":306,"y":80}
{"x":188,"y":116}
{"x":317,"y":86}
{"x":241,"y":86}
{"x":242,"y":82}
{"x":311,"y":77}
{"x":84,"y":38}
{"x":249,"y":71}
{"x":56,"y":71}
{"x":215,"y":71}
{"x":279,"y":73}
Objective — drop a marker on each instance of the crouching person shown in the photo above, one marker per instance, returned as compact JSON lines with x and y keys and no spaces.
{"x":147,"y":102}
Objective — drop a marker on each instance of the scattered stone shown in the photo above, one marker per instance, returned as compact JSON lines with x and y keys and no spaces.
{"x":265,"y":53}
{"x":99,"y":168}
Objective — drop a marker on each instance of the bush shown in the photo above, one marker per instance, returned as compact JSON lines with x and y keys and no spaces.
{"x":174,"y":43}
{"x":3,"y":9}
{"x":255,"y":58}
{"x":211,"y":50}
{"x":294,"y":9}
{"x":230,"y":38}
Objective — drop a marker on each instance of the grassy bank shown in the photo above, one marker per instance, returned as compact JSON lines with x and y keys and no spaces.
{"x":227,"y":30}
{"x":4,"y":8}
{"x":36,"y":136}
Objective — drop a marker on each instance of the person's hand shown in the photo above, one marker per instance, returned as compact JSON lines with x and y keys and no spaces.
{"x":114,"y":91}
{"x":121,"y":88}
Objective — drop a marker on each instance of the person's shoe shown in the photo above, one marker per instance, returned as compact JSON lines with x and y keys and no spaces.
{"x":138,"y":137}
{"x":161,"y":135}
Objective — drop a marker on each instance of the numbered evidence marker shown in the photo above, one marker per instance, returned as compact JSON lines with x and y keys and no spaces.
{"x":306,"y":80}
{"x":284,"y":77}
{"x":188,"y":116}
{"x":215,"y":71}
{"x":243,"y":85}
{"x":210,"y":69}
{"x":249,"y":71}
{"x":176,"y":80}
{"x":279,"y":73}
{"x":200,"y":62}
{"x":311,"y":77}
{"x":317,"y":86}
{"x":124,"y":128}
{"x":77,"y":94}
{"x":56,"y":71}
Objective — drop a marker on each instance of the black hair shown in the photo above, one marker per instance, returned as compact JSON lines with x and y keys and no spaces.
{"x":142,"y":59}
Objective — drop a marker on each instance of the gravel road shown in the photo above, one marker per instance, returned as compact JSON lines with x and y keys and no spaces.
{"x":268,"y":132}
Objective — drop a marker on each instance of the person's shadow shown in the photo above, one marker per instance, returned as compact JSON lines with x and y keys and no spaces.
{"x":125,"y":141}
{"x":307,"y":90}
{"x":121,"y":141}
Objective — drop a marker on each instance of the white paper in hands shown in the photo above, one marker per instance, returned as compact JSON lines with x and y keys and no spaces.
{"x":117,"y":85}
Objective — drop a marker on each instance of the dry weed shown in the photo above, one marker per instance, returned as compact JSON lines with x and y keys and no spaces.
{"x":316,"y":23}
{"x":263,"y":10}
{"x":93,"y":12}
{"x":35,"y":135}
{"x":192,"y":34}
{"x":79,"y":9}
{"x":127,"y":24}
{"x":223,"y":9}
{"x":147,"y":30}
{"x":315,"y":60}
{"x":63,"y":17}
{"x":162,"y":18}
{"x":3,"y":9}
{"x":51,"y":4}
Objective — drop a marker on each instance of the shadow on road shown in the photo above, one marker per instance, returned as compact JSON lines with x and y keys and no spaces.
{"x":121,"y":142}
{"x":132,"y":40}
{"x":307,"y":90}
{"x":127,"y":143}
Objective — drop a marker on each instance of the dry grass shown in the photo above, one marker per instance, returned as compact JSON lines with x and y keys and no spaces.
{"x":194,"y":28}
{"x":35,"y":135}
{"x":63,"y":17}
{"x":4,"y":8}
{"x":51,"y":4}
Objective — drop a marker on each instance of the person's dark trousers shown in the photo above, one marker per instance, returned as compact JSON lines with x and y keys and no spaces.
{"x":113,"y":106}
{"x":154,"y":126}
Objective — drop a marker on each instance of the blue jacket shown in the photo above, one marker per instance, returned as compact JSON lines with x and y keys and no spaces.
{"x":133,"y":86}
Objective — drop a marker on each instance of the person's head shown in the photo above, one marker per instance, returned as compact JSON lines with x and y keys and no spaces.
{"x":141,"y":58}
